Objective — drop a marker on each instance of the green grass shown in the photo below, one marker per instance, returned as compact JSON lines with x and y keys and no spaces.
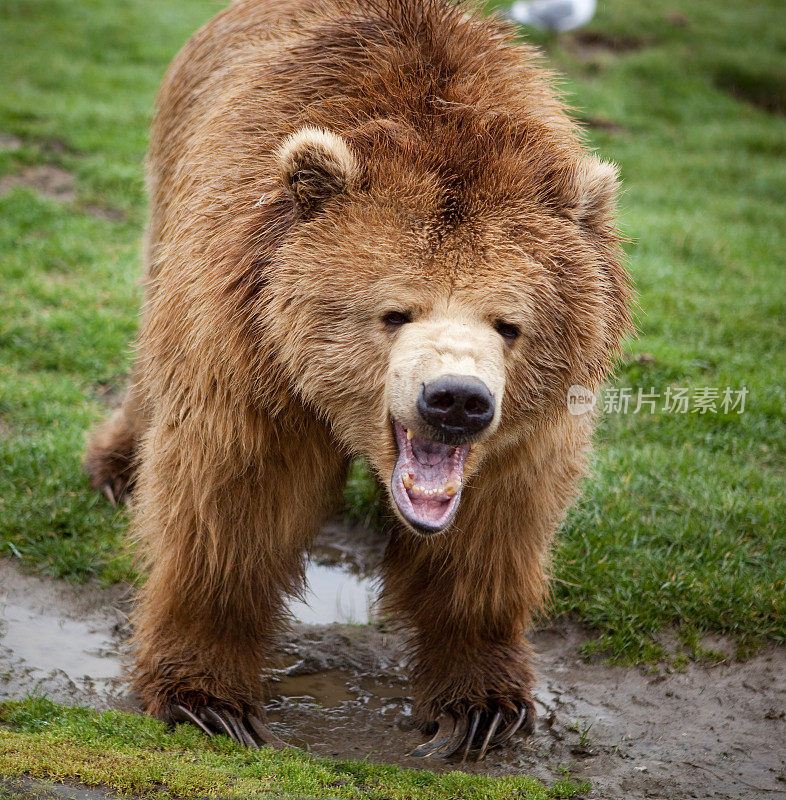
{"x":133,"y":754}
{"x":683,"y":521}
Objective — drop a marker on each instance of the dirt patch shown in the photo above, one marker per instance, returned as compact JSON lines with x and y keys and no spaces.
{"x":678,"y":19}
{"x":705,"y":732}
{"x":47,"y":179}
{"x":50,"y":147}
{"x":55,"y":147}
{"x":54,"y":183}
{"x":9,"y":143}
{"x":765,"y":90}
{"x":588,"y":40}
{"x":105,"y":212}
{"x":342,"y":691}
{"x":605,"y":124}
{"x":598,"y":50}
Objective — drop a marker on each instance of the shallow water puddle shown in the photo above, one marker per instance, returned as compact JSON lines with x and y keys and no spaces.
{"x":42,"y":638}
{"x":335,"y":711}
{"x":49,"y":642}
{"x":334,"y":595}
{"x":334,"y":687}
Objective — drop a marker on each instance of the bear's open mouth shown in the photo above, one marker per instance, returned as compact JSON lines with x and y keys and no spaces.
{"x":427,"y":480}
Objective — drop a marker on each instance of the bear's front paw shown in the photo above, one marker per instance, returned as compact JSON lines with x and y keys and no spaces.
{"x":477,"y":730}
{"x":244,"y":728}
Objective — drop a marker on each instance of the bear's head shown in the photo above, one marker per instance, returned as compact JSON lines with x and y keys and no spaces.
{"x":439,"y":289}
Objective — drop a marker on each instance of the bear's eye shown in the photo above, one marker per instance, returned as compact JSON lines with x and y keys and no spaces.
{"x":397,"y":318}
{"x":507,"y":330}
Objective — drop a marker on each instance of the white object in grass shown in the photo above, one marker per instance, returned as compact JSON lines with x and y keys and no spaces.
{"x":553,"y":15}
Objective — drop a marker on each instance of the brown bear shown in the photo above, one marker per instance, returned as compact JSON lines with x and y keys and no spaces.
{"x":374,"y":232}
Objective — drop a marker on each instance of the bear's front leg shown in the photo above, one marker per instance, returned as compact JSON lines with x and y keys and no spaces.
{"x":467,"y":596}
{"x":478,"y":693}
{"x":223,"y":515}
{"x":470,"y":660}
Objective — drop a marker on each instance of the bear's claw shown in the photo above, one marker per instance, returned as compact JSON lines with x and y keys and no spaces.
{"x":247,"y":729}
{"x":455,"y":732}
{"x":449,"y":736}
{"x":117,"y":491}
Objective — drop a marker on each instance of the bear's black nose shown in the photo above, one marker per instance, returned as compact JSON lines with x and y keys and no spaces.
{"x":456,"y":405}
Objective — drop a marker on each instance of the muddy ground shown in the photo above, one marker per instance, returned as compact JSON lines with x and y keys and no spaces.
{"x":339,"y":688}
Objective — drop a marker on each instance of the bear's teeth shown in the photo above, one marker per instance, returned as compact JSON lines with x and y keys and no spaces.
{"x":410,"y":434}
{"x":447,"y":489}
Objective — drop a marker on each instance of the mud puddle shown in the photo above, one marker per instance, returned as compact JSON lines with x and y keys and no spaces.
{"x":333,"y":596}
{"x":69,"y":642}
{"x":340,"y":690}
{"x":340,"y":584}
{"x":707,"y":732}
{"x":42,"y":638}
{"x":60,"y":640}
{"x":319,"y":711}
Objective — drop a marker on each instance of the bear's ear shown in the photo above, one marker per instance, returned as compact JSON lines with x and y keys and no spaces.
{"x":316,"y":164}
{"x":592,"y":193}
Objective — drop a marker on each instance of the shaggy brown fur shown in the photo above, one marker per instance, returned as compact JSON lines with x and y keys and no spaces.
{"x":437,"y":162}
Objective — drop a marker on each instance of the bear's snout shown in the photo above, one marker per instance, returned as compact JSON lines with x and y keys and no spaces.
{"x":458,"y":406}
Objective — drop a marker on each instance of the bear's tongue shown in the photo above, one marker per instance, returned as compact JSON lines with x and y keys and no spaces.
{"x":427,"y":480}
